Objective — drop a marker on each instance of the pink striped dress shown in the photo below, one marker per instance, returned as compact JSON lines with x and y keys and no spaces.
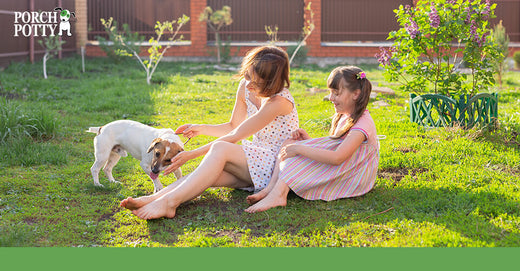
{"x":354,"y":177}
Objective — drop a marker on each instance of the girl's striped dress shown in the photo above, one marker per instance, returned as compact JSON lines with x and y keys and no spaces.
{"x":354,"y":177}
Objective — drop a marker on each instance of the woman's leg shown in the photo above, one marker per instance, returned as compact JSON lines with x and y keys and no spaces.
{"x":133,"y":204}
{"x":222,"y":157}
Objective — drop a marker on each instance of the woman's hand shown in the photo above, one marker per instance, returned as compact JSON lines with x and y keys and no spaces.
{"x":190,"y":130}
{"x":288,"y":151}
{"x":300,"y":134}
{"x":179,"y":160}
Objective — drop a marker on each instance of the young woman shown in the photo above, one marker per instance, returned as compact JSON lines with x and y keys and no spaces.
{"x":328,"y":168}
{"x":263,"y":108}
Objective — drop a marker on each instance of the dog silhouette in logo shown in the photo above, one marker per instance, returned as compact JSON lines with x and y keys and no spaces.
{"x":64,"y":21}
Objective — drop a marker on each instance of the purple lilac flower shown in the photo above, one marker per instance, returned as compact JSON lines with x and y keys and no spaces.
{"x":468,"y":15}
{"x":474,"y":35}
{"x":473,"y":31}
{"x":485,"y":12}
{"x":407,"y":9}
{"x":482,"y":40}
{"x":384,"y":56}
{"x":435,"y":20}
{"x":412,"y":29}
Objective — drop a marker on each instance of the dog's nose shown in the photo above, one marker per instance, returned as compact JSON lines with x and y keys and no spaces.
{"x":155,"y":170}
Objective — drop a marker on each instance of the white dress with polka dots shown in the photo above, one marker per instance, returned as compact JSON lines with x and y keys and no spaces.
{"x":261,"y":153}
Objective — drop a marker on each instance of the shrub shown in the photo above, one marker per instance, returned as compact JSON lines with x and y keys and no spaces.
{"x":216,"y":20}
{"x":434,"y":39}
{"x":502,"y":43}
{"x":118,"y":40}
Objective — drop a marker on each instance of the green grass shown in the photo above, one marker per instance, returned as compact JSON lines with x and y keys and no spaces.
{"x":435,"y":187}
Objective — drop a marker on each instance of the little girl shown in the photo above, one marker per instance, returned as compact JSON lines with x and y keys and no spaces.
{"x":328,"y":168}
{"x":263,"y":108}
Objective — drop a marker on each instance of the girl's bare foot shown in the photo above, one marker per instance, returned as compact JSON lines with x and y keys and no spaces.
{"x":252,"y":199}
{"x":270,"y":201}
{"x":156,"y":209}
{"x":134,"y":204}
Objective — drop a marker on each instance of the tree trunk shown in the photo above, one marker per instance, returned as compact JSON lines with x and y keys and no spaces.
{"x":45,"y":64}
{"x":217,"y":37}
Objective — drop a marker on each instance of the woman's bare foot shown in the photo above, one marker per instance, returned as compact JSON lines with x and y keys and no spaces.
{"x":156,"y":209}
{"x":252,"y":199}
{"x":270,"y":201}
{"x":134,"y":204}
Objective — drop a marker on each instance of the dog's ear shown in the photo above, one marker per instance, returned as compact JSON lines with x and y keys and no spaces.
{"x":155,"y":141}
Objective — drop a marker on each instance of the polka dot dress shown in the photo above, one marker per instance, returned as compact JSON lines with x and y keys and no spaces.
{"x":261,"y":153}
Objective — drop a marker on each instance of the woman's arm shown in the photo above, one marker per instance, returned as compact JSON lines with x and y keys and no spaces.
{"x":268,"y":112}
{"x":332,"y":157}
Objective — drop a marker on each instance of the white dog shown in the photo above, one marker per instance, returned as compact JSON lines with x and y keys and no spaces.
{"x":64,"y":21}
{"x":119,"y":137}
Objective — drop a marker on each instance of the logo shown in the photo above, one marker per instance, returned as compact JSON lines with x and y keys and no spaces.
{"x":45,"y":23}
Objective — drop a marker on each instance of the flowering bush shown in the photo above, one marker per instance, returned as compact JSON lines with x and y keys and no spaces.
{"x":437,"y":37}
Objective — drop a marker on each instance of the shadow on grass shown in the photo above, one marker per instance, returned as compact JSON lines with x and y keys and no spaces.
{"x":210,"y":221}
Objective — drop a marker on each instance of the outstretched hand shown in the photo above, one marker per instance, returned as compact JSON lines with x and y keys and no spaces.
{"x":189,"y":130}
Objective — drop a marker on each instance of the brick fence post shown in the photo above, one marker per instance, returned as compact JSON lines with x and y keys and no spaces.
{"x":81,"y":23}
{"x":313,"y":42}
{"x":198,"y":31}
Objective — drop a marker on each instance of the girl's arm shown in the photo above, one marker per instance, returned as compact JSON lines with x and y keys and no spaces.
{"x":268,"y":112}
{"x":238,"y":116}
{"x":332,"y":157}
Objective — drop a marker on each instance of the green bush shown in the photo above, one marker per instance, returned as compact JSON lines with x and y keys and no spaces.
{"x":516,"y":57}
{"x":119,"y":41}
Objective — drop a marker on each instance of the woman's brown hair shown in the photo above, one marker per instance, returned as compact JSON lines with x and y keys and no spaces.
{"x":349,"y":78}
{"x":271,"y":64}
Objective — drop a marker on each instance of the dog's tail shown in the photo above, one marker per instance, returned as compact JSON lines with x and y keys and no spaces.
{"x":95,"y":130}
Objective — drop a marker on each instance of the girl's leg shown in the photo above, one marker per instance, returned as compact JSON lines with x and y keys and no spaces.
{"x":274,"y":178}
{"x":276,"y":197}
{"x":222,"y":157}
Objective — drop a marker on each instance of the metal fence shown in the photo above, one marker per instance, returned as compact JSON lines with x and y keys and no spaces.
{"x":358,"y":20}
{"x":27,"y":48}
{"x":250,"y":17}
{"x":341,"y":20}
{"x":509,"y":12}
{"x":140,"y":15}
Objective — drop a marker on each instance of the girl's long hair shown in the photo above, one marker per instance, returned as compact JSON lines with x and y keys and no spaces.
{"x":352,"y":81}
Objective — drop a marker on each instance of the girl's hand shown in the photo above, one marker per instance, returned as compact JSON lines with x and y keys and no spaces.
{"x":288,"y":151}
{"x":189,"y":130}
{"x":300,"y":134}
{"x":179,"y":160}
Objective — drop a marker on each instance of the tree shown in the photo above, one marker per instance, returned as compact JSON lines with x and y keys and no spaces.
{"x":216,"y":20}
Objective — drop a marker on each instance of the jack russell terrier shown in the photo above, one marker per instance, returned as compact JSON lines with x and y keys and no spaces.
{"x":153,"y":147}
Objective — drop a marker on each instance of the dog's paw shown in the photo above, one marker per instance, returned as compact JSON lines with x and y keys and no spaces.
{"x":99,"y":185}
{"x":117,"y":182}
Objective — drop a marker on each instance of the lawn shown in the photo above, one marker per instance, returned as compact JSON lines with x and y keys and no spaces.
{"x":435,"y":187}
